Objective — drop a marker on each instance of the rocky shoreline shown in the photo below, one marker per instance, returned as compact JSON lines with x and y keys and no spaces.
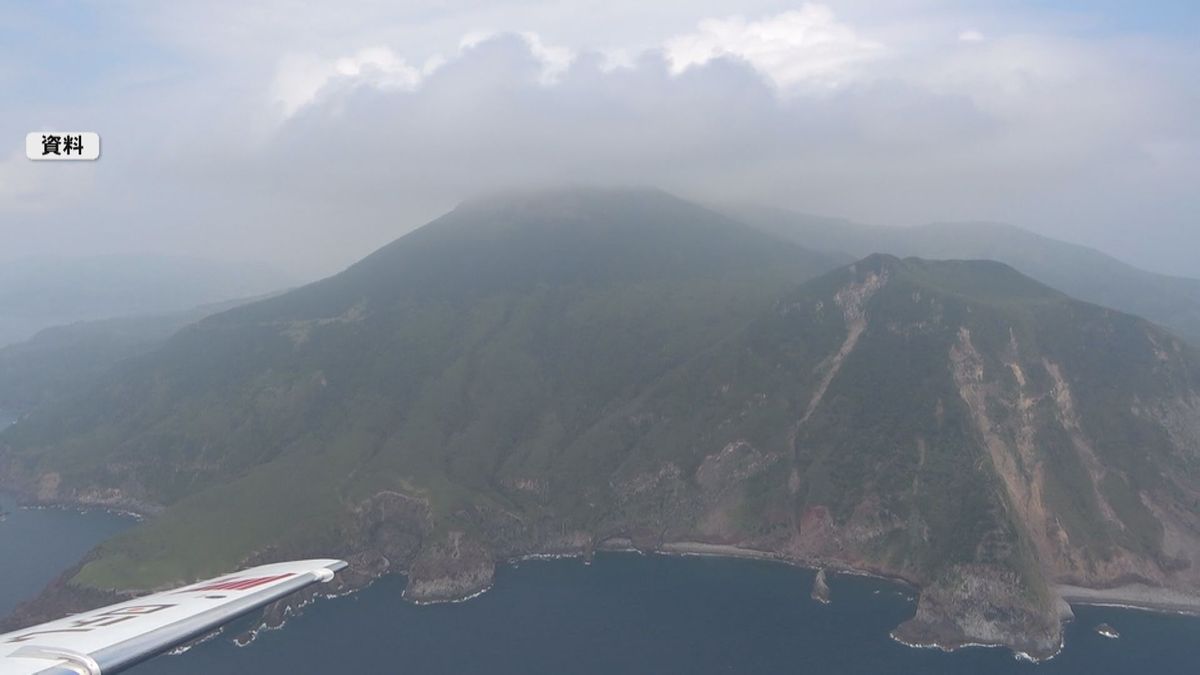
{"x":82,"y":509}
{"x":463,"y":573}
{"x":955,"y":646}
{"x":947,"y":642}
{"x":1132,"y":596}
{"x":110,"y":502}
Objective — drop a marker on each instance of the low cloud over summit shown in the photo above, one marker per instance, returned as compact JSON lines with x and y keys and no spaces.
{"x":257,"y":141}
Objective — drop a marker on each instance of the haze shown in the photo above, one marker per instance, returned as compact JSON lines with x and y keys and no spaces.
{"x":304,"y":138}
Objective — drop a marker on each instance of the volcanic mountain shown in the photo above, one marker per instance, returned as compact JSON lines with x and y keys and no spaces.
{"x":557,"y":372}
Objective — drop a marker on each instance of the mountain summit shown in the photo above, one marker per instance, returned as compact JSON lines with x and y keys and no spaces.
{"x":576,"y":370}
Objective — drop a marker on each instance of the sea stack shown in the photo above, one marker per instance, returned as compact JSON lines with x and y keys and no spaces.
{"x":820,"y":589}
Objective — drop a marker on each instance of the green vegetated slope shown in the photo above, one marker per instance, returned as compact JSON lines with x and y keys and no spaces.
{"x":509,"y":323}
{"x":546,"y":372}
{"x":1079,"y":271}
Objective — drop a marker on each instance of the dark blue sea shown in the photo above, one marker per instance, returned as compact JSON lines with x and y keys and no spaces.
{"x":37,"y":545}
{"x":624,"y":613}
{"x":627,"y":613}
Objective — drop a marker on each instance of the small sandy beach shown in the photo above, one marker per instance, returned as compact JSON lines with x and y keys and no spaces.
{"x":723,"y":550}
{"x":1136,"y":596}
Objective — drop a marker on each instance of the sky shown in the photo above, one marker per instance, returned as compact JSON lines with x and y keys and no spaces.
{"x":307,"y":134}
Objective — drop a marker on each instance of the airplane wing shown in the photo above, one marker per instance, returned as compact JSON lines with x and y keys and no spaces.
{"x":113,"y":638}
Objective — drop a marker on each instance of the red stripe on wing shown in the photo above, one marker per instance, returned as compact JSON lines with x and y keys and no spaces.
{"x":236,"y":584}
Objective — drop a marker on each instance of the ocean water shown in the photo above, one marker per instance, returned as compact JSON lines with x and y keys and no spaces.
{"x":627,"y":613}
{"x":37,"y":545}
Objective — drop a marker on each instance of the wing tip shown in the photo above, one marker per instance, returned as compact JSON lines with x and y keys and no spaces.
{"x":325,"y":574}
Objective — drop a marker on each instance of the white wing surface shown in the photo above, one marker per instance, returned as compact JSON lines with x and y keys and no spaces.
{"x":110,"y":639}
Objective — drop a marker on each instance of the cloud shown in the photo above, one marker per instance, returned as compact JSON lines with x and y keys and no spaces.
{"x":300,"y":78}
{"x":29,"y":189}
{"x":808,"y":46}
{"x":970,"y":35}
{"x":20,"y":188}
{"x":949,"y":138}
{"x":310,"y":142}
{"x":555,"y":59}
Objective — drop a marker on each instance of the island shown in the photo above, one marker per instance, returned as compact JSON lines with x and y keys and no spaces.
{"x":537,"y":374}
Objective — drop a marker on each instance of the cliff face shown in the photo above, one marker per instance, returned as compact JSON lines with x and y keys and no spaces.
{"x":555,"y":374}
{"x":952,"y":423}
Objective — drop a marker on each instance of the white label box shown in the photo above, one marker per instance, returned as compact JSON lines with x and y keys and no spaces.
{"x":59,"y":146}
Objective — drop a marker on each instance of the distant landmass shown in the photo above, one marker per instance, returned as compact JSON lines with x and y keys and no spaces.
{"x":63,"y":361}
{"x":568,"y":371}
{"x":38,"y":293}
{"x":1082,"y":272}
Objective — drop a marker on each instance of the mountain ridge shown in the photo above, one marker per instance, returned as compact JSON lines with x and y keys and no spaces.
{"x":1080,"y":271}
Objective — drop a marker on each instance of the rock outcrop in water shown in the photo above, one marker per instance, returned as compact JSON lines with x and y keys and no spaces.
{"x":820,"y":589}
